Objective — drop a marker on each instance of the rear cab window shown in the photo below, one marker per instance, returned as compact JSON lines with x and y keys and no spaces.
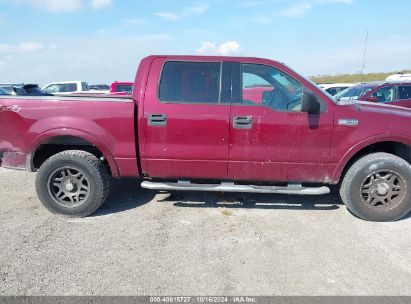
{"x":190,"y":82}
{"x":124,"y":88}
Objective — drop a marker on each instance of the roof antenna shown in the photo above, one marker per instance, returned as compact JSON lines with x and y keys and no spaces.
{"x":365,"y":56}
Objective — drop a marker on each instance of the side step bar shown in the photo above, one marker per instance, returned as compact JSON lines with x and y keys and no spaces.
{"x":231,"y":187}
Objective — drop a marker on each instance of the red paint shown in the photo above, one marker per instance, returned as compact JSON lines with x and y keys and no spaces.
{"x":279,"y":141}
{"x":199,"y":140}
{"x":255,"y":94}
{"x":107,"y":125}
{"x":396,"y":102}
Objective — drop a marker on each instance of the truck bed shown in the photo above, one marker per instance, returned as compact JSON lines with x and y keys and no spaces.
{"x":79,"y":97}
{"x":106,"y":123}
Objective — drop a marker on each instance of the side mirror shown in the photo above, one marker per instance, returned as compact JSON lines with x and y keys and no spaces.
{"x":310,"y":103}
{"x":372,"y":99}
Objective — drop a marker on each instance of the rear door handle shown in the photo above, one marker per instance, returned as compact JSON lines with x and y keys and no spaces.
{"x":157,"y":120}
{"x":243,"y":122}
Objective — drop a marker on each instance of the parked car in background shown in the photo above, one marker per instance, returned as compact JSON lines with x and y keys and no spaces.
{"x":257,"y":94}
{"x":121,"y":88}
{"x":96,"y":89}
{"x":23,"y":89}
{"x":399,"y":77}
{"x":8,"y":87}
{"x":396,"y":93}
{"x":3,"y":92}
{"x":29,"y":90}
{"x":66,"y":87}
{"x":99,"y":87}
{"x":334,"y":88}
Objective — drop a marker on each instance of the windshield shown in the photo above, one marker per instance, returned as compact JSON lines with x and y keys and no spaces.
{"x":312,"y":83}
{"x":7,"y":89}
{"x":3,"y":92}
{"x":354,"y":93}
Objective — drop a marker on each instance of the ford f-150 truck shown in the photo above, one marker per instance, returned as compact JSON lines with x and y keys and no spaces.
{"x":193,"y":123}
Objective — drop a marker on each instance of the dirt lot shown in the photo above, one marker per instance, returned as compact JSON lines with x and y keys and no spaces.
{"x":143,"y":243}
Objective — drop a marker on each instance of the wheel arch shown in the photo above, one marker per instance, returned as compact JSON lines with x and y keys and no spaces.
{"x":57,"y":140}
{"x":397,"y":145}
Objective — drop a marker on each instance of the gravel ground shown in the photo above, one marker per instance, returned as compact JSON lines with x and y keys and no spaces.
{"x":147,"y":243}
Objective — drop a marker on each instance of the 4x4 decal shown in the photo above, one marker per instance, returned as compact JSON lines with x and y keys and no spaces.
{"x":12,"y":108}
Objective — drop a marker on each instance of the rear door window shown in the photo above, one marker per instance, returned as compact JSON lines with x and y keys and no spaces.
{"x":404,"y":92}
{"x":192,"y":82}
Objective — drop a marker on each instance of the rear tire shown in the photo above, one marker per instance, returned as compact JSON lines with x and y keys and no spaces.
{"x":377,"y":188}
{"x":73,"y":183}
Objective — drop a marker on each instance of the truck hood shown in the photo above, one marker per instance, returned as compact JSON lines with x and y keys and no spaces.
{"x":385,"y":109}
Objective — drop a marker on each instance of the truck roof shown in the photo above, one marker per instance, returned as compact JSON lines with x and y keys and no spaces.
{"x":208,"y":58}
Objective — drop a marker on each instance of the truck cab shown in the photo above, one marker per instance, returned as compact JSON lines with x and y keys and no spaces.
{"x":185,"y":98}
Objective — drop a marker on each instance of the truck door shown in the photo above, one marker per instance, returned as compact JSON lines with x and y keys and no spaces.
{"x":186,"y":122}
{"x":271,"y":139}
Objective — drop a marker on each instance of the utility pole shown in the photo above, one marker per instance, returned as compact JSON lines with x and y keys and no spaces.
{"x":365,"y":56}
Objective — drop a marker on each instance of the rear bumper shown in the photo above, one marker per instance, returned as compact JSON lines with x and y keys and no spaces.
{"x":15,"y":160}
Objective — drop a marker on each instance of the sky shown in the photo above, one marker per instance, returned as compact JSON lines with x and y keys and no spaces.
{"x":101,"y":41}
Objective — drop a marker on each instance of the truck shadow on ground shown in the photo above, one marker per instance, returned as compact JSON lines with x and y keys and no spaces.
{"x":331,"y":201}
{"x":125,"y":194}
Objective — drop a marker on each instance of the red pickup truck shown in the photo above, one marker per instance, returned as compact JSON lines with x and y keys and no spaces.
{"x":190,"y":126}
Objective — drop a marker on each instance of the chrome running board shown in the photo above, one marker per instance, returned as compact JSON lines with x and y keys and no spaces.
{"x":231,"y":187}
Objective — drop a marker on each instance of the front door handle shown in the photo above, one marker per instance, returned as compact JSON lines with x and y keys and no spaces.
{"x":243,"y":122}
{"x":157,"y":120}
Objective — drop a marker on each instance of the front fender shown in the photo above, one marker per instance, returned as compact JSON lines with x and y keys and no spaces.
{"x":363,"y":144}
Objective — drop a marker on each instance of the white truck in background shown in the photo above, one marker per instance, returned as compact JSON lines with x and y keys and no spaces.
{"x":66,"y":87}
{"x":398,"y":77}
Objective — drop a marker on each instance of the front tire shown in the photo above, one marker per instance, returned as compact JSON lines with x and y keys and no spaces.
{"x":73,"y":183}
{"x":377,"y":188}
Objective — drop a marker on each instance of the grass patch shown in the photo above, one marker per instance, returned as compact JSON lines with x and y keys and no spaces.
{"x":227,"y":212}
{"x":354,"y":78}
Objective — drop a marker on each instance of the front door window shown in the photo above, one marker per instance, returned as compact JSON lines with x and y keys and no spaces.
{"x":271,"y":88}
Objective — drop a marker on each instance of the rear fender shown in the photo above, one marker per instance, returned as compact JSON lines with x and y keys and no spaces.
{"x":76,"y":133}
